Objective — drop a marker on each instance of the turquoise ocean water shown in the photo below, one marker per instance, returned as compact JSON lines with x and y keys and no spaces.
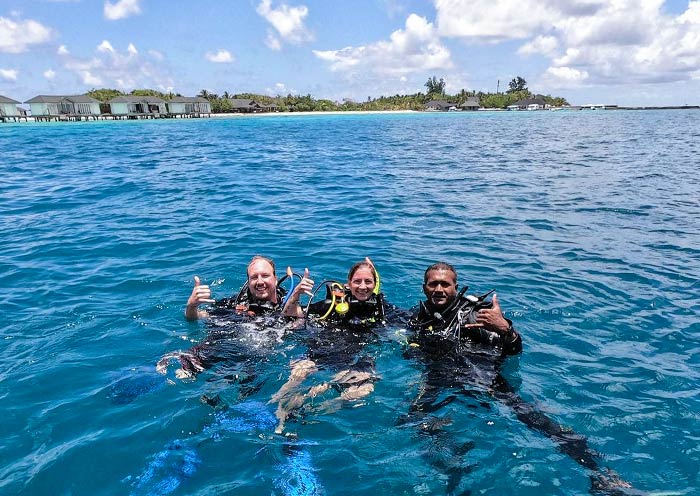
{"x":586,"y":223}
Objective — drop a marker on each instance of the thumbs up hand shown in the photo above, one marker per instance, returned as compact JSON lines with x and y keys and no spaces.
{"x":292,"y":308}
{"x":305,"y":286}
{"x":200,"y":294}
{"x":492,"y":318}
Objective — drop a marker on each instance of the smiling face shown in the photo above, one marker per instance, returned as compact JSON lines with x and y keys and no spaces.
{"x":262,"y":282}
{"x":361,"y":283}
{"x":440,"y":287}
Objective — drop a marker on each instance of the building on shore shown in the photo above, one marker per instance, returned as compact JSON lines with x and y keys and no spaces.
{"x":9,"y":110}
{"x":471,"y":103}
{"x":441,"y":106}
{"x":598,"y":106}
{"x":534,"y":103}
{"x":136,"y":107}
{"x":248,"y":106}
{"x":64,"y":107}
{"x":188,"y":106}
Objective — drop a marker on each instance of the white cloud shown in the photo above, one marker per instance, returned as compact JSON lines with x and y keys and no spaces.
{"x":49,"y":74}
{"x":288,"y":24}
{"x":8,"y":74}
{"x":558,"y":77}
{"x":414,"y":49}
{"x":132,"y":49}
{"x":90,"y":80}
{"x":17,"y":37}
{"x":220,"y":57}
{"x":586,"y":41}
{"x":105,"y":47}
{"x":125,"y":70}
{"x":273,"y":42}
{"x":280,"y":89}
{"x":545,"y":45}
{"x":492,"y":20}
{"x":121,"y":9}
{"x":62,"y":50}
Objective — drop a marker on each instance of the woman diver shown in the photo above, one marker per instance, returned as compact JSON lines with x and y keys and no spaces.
{"x":345,"y":323}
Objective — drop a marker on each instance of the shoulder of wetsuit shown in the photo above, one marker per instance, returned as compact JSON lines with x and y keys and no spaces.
{"x":419,"y":315}
{"x":397,"y":316}
{"x":375,"y":304}
{"x":320,"y":307}
{"x":225,"y":303}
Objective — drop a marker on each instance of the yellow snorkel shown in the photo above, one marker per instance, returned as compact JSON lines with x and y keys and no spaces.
{"x":342,"y":306}
{"x":337,"y":291}
{"x":377,"y":280}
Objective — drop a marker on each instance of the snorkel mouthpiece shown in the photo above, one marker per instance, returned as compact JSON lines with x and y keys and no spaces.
{"x":342,"y":306}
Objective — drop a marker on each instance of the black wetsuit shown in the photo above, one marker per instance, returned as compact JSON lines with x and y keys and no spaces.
{"x":447,"y":330}
{"x":337,"y":341}
{"x":231,"y":340}
{"x":466,"y":362}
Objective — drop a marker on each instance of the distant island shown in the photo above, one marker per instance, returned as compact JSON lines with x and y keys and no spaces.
{"x":227,"y":102}
{"x":108,"y":103}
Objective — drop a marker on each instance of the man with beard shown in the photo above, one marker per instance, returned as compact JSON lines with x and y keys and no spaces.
{"x":462,"y":341}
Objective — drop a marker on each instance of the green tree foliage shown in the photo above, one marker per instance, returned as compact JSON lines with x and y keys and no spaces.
{"x":555,"y":101}
{"x":307,"y":103}
{"x":104,"y":94}
{"x":517,"y":84}
{"x":147,"y":92}
{"x":434,"y":86}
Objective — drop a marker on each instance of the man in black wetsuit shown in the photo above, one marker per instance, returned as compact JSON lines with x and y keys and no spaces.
{"x":228,"y":340}
{"x":447,"y":315}
{"x":259,"y":295}
{"x":462,"y":342}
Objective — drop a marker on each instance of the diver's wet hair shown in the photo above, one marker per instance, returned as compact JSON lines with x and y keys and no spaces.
{"x":260,"y":257}
{"x":439,"y":266}
{"x":358,"y":265}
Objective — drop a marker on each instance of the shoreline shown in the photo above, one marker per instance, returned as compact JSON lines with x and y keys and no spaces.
{"x":315,"y":112}
{"x":238,"y":115}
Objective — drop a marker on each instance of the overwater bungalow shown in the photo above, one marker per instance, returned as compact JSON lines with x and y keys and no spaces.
{"x":64,"y":107}
{"x":137,"y":107}
{"x":188,"y":106}
{"x":9,"y":110}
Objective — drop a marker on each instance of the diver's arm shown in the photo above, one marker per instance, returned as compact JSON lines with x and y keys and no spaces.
{"x":492,"y":319}
{"x":512,"y":341}
{"x":292,"y":308}
{"x":200,"y":294}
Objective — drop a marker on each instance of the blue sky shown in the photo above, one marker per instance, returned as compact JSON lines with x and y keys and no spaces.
{"x":627,"y":52}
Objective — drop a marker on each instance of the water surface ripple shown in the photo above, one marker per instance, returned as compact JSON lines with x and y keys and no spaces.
{"x":586,"y":223}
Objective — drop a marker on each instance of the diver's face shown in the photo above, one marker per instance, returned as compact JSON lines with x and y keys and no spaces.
{"x":362,"y":283}
{"x":262,"y":282}
{"x":440,"y":287}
